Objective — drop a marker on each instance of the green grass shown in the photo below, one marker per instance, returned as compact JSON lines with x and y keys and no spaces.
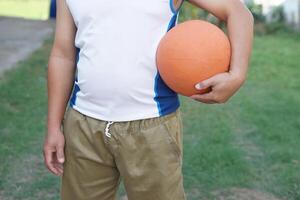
{"x":251,"y":142}
{"x":22,"y":126}
{"x":31,"y":9}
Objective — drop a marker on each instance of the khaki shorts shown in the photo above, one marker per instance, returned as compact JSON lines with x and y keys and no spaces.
{"x":146,"y":153}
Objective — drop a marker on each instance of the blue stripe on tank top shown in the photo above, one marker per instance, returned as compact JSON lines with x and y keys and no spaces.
{"x":76,"y":87}
{"x":166,"y":99}
{"x":172,"y":22}
{"x":171,"y":4}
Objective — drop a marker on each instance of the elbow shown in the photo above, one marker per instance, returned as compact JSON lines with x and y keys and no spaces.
{"x":63,"y":52}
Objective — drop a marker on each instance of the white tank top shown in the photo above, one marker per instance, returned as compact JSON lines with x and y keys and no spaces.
{"x":117,"y":77}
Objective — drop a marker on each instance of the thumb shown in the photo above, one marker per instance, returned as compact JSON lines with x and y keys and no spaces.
{"x":60,"y":154}
{"x":205,"y":84}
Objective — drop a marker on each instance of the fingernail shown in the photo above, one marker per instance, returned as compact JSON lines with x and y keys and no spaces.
{"x":61,"y":160}
{"x":198,"y":86}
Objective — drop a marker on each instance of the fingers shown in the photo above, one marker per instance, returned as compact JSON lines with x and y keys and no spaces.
{"x":60,"y":159}
{"x":59,"y":167}
{"x":60,"y":154}
{"x":54,"y":159}
{"x":49,"y":158}
{"x":204,"y":98}
{"x":209,"y":98}
{"x":221,"y":89}
{"x":205,"y":84}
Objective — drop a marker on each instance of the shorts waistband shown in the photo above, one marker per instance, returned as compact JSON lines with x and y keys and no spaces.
{"x":134,"y":124}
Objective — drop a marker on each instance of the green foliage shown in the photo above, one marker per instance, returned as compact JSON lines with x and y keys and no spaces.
{"x":278,"y":14}
{"x":257,"y":12}
{"x":275,"y":27}
{"x":189,"y":12}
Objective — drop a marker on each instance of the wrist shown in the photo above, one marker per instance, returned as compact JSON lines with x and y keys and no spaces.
{"x":53,"y":128}
{"x":238,"y":76}
{"x":54,"y":123}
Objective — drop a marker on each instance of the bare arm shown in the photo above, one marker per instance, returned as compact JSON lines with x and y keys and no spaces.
{"x":60,"y":81}
{"x":61,"y":66}
{"x":240,"y":28}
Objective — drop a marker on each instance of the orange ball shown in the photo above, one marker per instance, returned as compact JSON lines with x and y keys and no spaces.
{"x":191,"y":52}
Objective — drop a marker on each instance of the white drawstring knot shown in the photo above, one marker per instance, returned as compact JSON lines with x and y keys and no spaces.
{"x":107,"y":129}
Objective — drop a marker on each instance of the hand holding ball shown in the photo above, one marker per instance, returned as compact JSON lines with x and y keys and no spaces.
{"x":191,"y":52}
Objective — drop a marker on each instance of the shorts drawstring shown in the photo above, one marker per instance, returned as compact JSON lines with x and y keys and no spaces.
{"x":107,"y":129}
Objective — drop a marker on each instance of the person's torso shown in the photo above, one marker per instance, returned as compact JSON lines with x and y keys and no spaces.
{"x":117,"y":77}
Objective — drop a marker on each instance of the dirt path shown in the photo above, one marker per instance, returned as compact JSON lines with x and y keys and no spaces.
{"x":19,"y":38}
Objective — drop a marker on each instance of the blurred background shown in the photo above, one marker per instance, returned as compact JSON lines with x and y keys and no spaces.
{"x":247,"y":149}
